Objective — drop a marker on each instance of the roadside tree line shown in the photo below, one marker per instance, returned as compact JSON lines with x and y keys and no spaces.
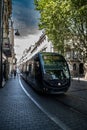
{"x":65,"y":21}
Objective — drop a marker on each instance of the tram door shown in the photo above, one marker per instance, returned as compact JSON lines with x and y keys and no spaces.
{"x":81,"y":69}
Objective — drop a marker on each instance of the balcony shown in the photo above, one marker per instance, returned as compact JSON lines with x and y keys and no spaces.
{"x":7,"y":47}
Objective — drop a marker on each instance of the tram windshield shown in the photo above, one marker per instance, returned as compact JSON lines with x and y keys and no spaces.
{"x":55,"y":66}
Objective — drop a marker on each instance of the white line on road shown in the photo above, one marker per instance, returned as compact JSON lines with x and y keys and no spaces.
{"x":53,"y":118}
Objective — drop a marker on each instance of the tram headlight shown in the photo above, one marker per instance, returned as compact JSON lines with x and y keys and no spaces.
{"x":59,"y":84}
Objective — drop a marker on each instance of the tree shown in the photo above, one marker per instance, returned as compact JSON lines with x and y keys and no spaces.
{"x":54,"y":20}
{"x":64,"y":20}
{"x":79,"y":27}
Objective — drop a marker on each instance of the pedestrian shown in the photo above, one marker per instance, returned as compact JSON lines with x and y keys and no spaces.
{"x":14,"y":73}
{"x":11,"y":73}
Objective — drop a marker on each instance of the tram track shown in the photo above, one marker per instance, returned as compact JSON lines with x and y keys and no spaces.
{"x":73,"y":103}
{"x":79,"y":96}
{"x":62,"y":113}
{"x":78,"y":90}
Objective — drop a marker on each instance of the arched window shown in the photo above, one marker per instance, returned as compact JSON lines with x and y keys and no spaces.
{"x":74,"y":67}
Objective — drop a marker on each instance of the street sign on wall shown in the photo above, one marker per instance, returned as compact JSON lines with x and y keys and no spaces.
{"x":6,"y":44}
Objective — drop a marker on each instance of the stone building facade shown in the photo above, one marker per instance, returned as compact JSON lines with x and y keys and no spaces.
{"x":7,"y":40}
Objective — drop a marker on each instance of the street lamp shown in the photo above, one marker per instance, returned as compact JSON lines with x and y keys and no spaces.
{"x":16,"y":30}
{"x":17,"y":33}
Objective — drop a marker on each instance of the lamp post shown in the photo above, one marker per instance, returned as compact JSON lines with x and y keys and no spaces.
{"x":17,"y":32}
{"x":1,"y":39}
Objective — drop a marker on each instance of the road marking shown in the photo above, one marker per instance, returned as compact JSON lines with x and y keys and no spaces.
{"x":53,"y":118}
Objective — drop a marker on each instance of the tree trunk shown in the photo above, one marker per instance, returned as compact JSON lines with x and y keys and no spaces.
{"x":85,"y":65}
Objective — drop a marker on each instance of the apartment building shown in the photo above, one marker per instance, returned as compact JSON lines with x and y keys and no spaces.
{"x":8,"y":40}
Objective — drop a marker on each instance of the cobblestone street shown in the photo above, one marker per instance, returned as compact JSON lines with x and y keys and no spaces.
{"x":18,"y":112}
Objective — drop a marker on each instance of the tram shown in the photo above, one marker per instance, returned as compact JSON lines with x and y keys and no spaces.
{"x":47,"y":72}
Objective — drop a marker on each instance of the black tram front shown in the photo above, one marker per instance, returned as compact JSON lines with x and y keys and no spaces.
{"x":47,"y":72}
{"x":55,"y":73}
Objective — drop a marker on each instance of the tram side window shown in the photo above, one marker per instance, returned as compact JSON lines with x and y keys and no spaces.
{"x":23,"y":69}
{"x":36,"y":66}
{"x":27,"y":67}
{"x":37,"y":70}
{"x":30,"y":68}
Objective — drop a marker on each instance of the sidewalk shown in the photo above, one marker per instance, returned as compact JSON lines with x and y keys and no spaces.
{"x":18,"y":112}
{"x":80,"y":79}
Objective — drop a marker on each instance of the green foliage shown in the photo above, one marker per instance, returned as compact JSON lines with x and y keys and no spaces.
{"x":79,"y":24}
{"x":64,"y":20}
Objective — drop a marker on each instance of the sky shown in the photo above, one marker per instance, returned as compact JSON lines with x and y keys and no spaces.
{"x":25,"y":19}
